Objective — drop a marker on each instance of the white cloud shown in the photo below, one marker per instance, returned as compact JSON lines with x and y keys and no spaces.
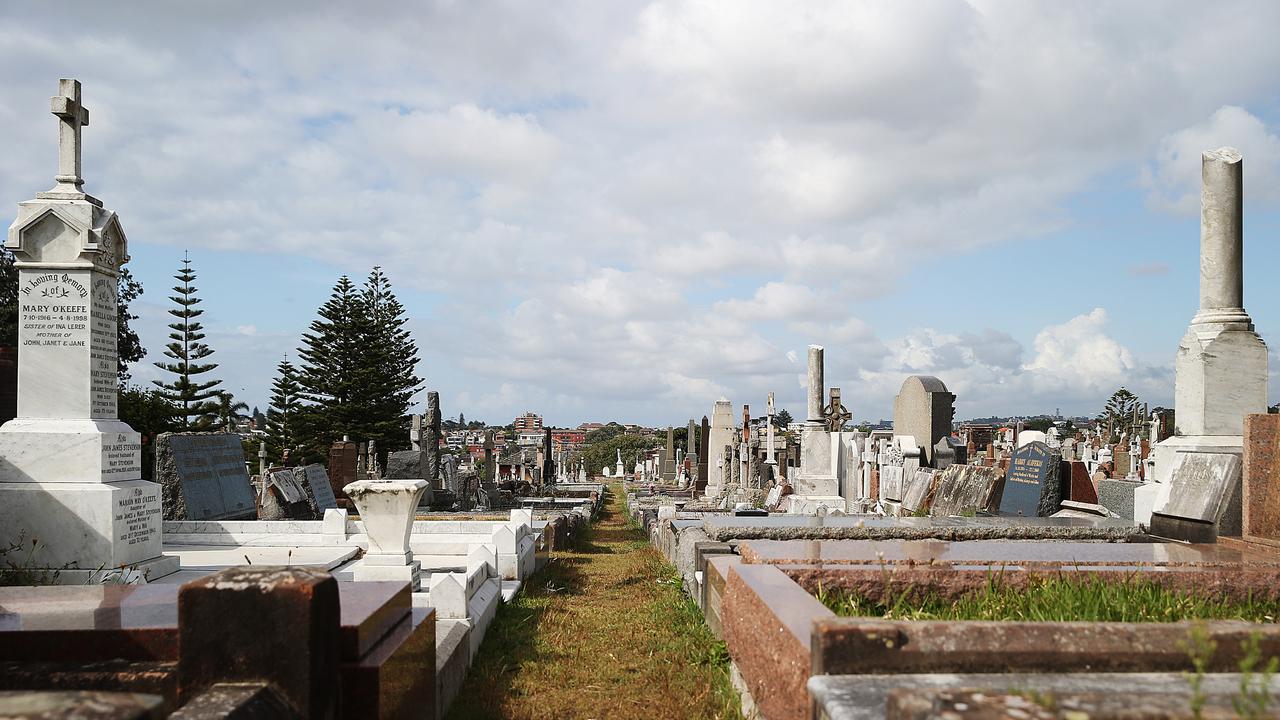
{"x":1173,"y":180}
{"x":599,"y":203}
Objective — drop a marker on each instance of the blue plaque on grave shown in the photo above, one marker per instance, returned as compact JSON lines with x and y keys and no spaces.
{"x":1030,"y":486}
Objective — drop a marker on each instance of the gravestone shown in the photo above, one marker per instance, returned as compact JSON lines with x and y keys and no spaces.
{"x":966,"y":490}
{"x":1117,"y":495}
{"x":319,"y":490}
{"x":924,"y":409}
{"x":1204,"y":489}
{"x":915,"y":496}
{"x":284,"y":498}
{"x":203,"y":477}
{"x":344,"y":456}
{"x":405,"y":465}
{"x":891,"y":482}
{"x":70,"y":470}
{"x":431,"y":440}
{"x":1032,"y":487}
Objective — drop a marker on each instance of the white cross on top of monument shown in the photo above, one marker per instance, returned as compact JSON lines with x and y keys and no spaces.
{"x":72,"y":116}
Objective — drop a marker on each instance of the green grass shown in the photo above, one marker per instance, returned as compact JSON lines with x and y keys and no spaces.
{"x":1055,"y":598}
{"x":605,"y":630}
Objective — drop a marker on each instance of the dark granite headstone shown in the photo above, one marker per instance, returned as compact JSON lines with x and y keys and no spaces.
{"x":342,"y":466}
{"x":405,"y":465}
{"x":316,"y":482}
{"x":1032,"y":487}
{"x":203,"y":477}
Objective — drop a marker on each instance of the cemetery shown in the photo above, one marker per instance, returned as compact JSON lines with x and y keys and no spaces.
{"x":935,"y":571}
{"x":817,"y":569}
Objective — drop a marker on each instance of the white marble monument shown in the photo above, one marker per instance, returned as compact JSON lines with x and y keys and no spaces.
{"x":815,"y":476}
{"x":1221,"y":365}
{"x":70,"y":470}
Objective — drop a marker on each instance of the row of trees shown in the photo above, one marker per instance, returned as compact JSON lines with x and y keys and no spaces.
{"x":355,"y":373}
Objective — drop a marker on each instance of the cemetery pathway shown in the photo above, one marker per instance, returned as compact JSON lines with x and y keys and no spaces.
{"x":603,"y":631}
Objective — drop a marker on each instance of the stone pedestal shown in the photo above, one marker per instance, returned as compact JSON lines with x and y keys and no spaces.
{"x":70,"y":471}
{"x":816,"y":476}
{"x":387,"y":508}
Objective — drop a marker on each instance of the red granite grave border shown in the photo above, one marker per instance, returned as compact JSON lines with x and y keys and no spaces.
{"x":778,"y":633}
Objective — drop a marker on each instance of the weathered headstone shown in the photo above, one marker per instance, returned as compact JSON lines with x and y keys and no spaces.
{"x":431,"y":440}
{"x":1204,"y":490}
{"x":203,"y":477}
{"x":891,"y":482}
{"x":924,"y":409}
{"x":284,"y":498}
{"x":320,"y":491}
{"x":915,"y":496}
{"x":70,"y":470}
{"x":1031,"y":486}
{"x":964,"y":490}
{"x":405,"y":465}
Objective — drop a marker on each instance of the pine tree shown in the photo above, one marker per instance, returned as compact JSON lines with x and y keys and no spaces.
{"x":331,"y":378}
{"x":195,"y":400}
{"x":282,"y":413}
{"x":357,"y":368}
{"x":391,"y":361}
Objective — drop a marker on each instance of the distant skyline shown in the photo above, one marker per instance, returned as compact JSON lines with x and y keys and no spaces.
{"x":625,"y":211}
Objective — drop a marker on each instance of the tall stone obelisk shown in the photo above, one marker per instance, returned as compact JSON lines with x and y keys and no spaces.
{"x":70,"y":470}
{"x":669,"y":457}
{"x":1221,"y":365}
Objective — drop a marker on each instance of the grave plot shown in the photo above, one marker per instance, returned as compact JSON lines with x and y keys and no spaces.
{"x":843,"y":624}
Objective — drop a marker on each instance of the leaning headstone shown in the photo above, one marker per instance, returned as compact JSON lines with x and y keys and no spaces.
{"x":283,"y":497}
{"x":1204,"y":498}
{"x":965,"y":490}
{"x":1031,"y":487}
{"x":203,"y":477}
{"x":315,"y":481}
{"x":915,"y":497}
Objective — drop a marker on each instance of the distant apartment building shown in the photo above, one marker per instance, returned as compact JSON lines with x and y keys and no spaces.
{"x":567,"y":440}
{"x":528,"y":422}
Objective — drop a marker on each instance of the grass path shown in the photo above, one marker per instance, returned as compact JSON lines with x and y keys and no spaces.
{"x":603,"y":631}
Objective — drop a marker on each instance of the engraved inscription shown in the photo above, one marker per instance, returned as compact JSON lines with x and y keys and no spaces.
{"x":137,"y":516}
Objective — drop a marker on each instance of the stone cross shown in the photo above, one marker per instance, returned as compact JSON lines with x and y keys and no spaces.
{"x":72,"y":116}
{"x":836,"y":414}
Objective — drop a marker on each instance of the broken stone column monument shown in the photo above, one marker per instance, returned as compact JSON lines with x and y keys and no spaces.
{"x":1221,"y":369}
{"x":815,"y":477}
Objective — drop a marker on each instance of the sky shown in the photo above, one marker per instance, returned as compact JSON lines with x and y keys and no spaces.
{"x":626,"y":210}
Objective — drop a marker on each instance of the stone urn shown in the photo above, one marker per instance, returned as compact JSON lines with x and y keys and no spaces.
{"x":387,"y":508}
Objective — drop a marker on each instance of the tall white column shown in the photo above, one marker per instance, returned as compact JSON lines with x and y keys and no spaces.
{"x":816,"y":383}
